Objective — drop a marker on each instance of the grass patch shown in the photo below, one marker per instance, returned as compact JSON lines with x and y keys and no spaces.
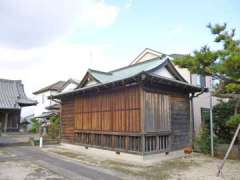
{"x":83,"y":158}
{"x":161,"y":171}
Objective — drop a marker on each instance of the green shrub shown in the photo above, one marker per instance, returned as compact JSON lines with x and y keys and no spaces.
{"x":35,"y":125}
{"x":224,"y":124}
{"x":54,"y":127}
{"x":222,"y":112}
{"x":234,"y":121}
{"x":203,"y":141}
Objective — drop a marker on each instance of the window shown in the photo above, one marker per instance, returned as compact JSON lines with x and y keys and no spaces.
{"x":200,"y":80}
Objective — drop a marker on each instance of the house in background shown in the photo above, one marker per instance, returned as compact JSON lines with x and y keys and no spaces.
{"x":201,"y":104}
{"x":26,"y":123}
{"x":12,"y":99}
{"x":142,"y":108}
{"x":47,"y":107}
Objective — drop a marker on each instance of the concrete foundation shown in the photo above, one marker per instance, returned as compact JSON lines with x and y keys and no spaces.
{"x":125,"y":157}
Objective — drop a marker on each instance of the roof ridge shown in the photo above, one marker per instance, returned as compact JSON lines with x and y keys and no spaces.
{"x":102,"y":72}
{"x":131,"y":65}
{"x":48,"y":86}
{"x":10,"y":80}
{"x":147,"y":50}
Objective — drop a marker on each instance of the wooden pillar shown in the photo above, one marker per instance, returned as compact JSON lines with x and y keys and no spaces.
{"x":157,"y":143}
{"x":143,"y":144}
{"x":6,"y":122}
{"x":126,"y":143}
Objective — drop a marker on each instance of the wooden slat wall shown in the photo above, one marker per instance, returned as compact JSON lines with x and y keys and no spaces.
{"x":67,"y":117}
{"x":115,"y":111}
{"x":156,"y":112}
{"x":180,"y":114}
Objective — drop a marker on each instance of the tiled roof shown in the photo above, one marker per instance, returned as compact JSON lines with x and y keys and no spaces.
{"x":57,"y":86}
{"x":125,"y":72}
{"x":174,"y":56}
{"x":53,"y":107}
{"x":136,"y":78}
{"x":12,"y":95}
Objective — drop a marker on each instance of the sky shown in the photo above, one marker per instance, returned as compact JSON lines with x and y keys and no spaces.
{"x":44,"y":41}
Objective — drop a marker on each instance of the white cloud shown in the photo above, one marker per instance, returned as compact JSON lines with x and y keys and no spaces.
{"x":32,"y":34}
{"x":176,"y":30}
{"x":129,"y":4}
{"x":34,"y":23}
{"x":101,"y":14}
{"x":42,"y":66}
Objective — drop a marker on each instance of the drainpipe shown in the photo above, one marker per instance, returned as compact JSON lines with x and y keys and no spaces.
{"x":192,"y":114}
{"x":192,"y":119}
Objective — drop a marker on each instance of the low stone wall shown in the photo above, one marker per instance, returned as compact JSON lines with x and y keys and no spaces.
{"x":221,"y":149}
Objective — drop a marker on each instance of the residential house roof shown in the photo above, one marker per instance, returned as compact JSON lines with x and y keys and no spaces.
{"x":53,"y":107}
{"x":146,"y":51}
{"x":57,"y":86}
{"x":12,"y":95}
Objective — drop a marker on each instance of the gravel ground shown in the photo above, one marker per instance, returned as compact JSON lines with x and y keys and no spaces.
{"x":25,"y":170}
{"x":197,"y":167}
{"x":56,"y":162}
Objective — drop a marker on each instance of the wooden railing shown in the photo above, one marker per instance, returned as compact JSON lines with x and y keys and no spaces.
{"x":153,"y":143}
{"x":157,"y":143}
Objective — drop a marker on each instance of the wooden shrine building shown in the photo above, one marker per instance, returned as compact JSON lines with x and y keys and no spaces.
{"x":142,"y":108}
{"x":12,"y":99}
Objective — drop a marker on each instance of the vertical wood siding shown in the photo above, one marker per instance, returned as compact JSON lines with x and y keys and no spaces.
{"x":156,"y":112}
{"x":115,"y":111}
{"x":180,"y":114}
{"x":129,"y":119}
{"x":67,"y":117}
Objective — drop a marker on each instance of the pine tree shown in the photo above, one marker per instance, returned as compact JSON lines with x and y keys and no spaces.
{"x":222,"y":64}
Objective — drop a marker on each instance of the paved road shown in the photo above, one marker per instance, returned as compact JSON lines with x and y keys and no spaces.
{"x":72,"y":170}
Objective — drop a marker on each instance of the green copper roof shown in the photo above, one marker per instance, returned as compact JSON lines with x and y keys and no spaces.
{"x":125,"y":72}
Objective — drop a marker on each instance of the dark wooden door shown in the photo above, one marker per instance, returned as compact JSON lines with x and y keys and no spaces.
{"x":180,"y":123}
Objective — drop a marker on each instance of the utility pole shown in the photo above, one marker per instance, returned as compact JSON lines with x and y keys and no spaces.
{"x":211,"y":118}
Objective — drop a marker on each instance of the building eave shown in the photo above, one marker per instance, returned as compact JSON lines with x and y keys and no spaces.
{"x":136,"y":79}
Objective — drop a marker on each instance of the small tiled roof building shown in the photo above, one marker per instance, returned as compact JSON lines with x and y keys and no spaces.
{"x":142,"y":108}
{"x":12,"y":99}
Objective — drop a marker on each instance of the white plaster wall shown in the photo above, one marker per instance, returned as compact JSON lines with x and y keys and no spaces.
{"x":40,"y":107}
{"x":69,"y":87}
{"x":164,"y":72}
{"x":90,"y":83}
{"x":184,"y":73}
{"x":202,"y":101}
{"x":147,"y":56}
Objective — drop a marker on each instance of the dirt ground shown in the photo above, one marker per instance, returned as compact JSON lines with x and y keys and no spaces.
{"x":13,"y":169}
{"x":18,"y":170}
{"x":197,"y":167}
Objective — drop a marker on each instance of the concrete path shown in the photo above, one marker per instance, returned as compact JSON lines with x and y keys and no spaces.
{"x":14,"y":138}
{"x":69,"y":169}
